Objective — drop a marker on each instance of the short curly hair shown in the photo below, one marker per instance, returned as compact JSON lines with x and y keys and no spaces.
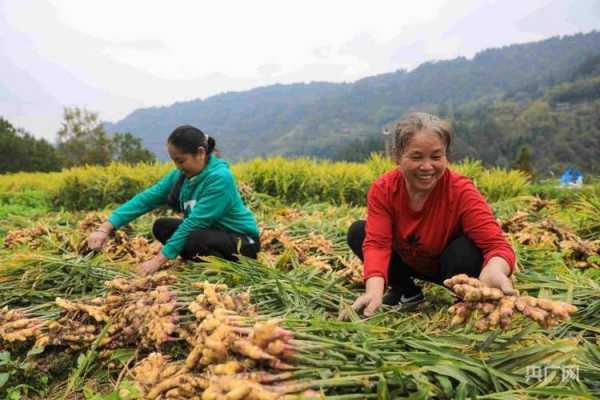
{"x":413,"y":123}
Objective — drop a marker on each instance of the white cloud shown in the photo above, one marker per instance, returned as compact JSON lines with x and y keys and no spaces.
{"x":114,"y":56}
{"x":230,"y":37}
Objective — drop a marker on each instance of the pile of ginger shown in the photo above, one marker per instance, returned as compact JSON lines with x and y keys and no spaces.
{"x":16,"y":325}
{"x":498,"y":309}
{"x":227,"y":358}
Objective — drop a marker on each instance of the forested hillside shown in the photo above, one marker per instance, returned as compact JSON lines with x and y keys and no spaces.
{"x":322,"y":119}
{"x":555,"y":127}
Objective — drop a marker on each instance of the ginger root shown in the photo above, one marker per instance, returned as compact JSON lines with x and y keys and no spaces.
{"x":498,"y":309}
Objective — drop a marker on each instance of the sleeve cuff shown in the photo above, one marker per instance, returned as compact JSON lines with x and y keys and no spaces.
{"x":114,"y":222}
{"x":375,"y":258}
{"x":169,"y":252}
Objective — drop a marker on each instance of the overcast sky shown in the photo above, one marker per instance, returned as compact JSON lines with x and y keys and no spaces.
{"x":115,"y":56}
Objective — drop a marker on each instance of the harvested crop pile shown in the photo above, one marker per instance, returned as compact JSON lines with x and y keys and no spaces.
{"x":224,"y":356}
{"x":15,"y":325}
{"x":277,"y":240}
{"x":548,"y":233}
{"x":141,"y":312}
{"x":311,"y":249}
{"x":26,"y":236}
{"x":495,"y":309}
{"x":156,"y":377}
{"x":120,"y":246}
{"x":225,"y":360}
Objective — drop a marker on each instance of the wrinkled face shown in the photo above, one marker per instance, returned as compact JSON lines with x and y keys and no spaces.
{"x":423,"y":161}
{"x":189,"y":164}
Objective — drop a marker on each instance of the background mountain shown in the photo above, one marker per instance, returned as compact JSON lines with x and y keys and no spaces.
{"x":540,"y":95}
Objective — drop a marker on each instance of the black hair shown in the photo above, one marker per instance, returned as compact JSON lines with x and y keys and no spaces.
{"x":188,"y":138}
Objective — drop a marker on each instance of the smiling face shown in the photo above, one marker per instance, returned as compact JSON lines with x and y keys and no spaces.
{"x":423,"y":161}
{"x":189,"y":164}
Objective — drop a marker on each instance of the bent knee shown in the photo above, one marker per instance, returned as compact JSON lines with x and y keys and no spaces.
{"x":356,"y":232}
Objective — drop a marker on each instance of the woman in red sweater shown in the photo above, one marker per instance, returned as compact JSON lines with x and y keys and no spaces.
{"x":425,"y":221}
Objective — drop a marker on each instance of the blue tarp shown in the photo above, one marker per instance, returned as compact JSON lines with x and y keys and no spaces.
{"x":571,"y":176}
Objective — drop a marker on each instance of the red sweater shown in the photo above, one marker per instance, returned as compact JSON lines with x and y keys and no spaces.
{"x":454,"y":207}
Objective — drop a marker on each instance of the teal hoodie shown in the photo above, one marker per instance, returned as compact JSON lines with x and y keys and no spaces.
{"x":210,"y":201}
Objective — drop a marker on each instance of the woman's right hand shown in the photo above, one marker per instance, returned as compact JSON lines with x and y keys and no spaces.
{"x":98,"y":238}
{"x":371,"y":300}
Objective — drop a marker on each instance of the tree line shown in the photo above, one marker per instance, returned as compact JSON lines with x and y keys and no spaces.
{"x":81,"y":140}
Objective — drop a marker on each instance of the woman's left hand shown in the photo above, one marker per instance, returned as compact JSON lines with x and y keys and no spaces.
{"x":496,"y":274}
{"x":152,"y":265}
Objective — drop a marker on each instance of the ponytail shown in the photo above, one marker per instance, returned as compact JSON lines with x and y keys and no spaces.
{"x":210,"y":144}
{"x":188,"y":138}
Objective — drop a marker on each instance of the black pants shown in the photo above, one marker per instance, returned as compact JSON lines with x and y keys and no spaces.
{"x":207,"y":242}
{"x":461,"y":256}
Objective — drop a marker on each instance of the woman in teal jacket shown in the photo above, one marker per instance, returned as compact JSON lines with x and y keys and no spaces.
{"x":215,"y":219}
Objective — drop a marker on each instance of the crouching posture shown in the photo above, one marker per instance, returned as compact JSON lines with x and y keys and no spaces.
{"x":425,"y":221}
{"x":215,"y":220}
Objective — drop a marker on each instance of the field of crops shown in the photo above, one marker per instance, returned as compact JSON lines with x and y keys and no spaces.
{"x":80,"y":325}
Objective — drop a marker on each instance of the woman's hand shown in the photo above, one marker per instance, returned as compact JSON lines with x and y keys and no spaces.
{"x":496,"y":274}
{"x":152,"y":265}
{"x":371,"y":300}
{"x":98,"y":238}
